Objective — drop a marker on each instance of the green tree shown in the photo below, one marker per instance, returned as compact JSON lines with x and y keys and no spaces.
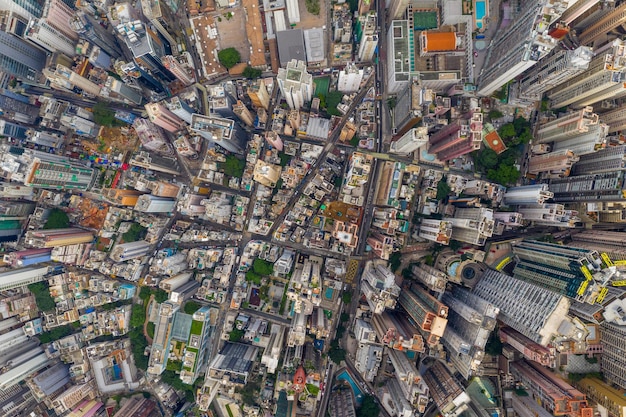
{"x":507,"y":131}
{"x":57,"y":219}
{"x":443,"y":189}
{"x":137,"y":315}
{"x":336,"y":354}
{"x":229,"y":57}
{"x":251,"y":72}
{"x":160,"y":296}
{"x":138,"y":345}
{"x":135,"y":232}
{"x":369,"y":407}
{"x":487,"y":159}
{"x":103,"y":115}
{"x":253,"y":277}
{"x":346,"y":297}
{"x":355,"y":141}
{"x":313,"y":6}
{"x":144,"y":293}
{"x":250,"y":393}
{"x":55,"y":334}
{"x":262,"y":267}
{"x":525,"y":136}
{"x":395,"y":260}
{"x":191,"y":307}
{"x":495,"y":114}
{"x":235,"y":335}
{"x":150,"y":329}
{"x":504,"y":174}
{"x":43,"y":299}
{"x":234,"y":166}
{"x":284,"y":159}
{"x":332,"y":101}
{"x":322,"y":98}
{"x":520,"y":123}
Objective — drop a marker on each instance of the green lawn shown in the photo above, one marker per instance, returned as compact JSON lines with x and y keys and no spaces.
{"x":321,"y":85}
{"x":196,"y":327}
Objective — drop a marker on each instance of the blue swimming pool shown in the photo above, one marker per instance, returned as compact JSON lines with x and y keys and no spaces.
{"x":329,"y":293}
{"x":481,"y":11}
{"x":358,"y":394}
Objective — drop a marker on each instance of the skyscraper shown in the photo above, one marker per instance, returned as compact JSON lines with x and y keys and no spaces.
{"x":258,"y":94}
{"x":613,"y":360}
{"x":556,"y":395}
{"x":527,"y":194}
{"x":561,"y":269}
{"x":602,"y":80}
{"x":534,"y":311}
{"x":608,"y":159}
{"x":447,"y":393}
{"x":87,"y":28}
{"x":52,"y":238}
{"x":368,"y":37}
{"x":243,"y":113}
{"x":428,"y":313}
{"x":554,"y":164}
{"x":608,"y":186}
{"x":296,"y":84}
{"x":556,"y":68}
{"x":521,"y":44}
{"x":472,"y":225}
{"x":161,"y":116}
{"x":410,"y":141}
{"x":350,"y":78}
{"x":21,"y":277}
{"x":148,"y":203}
{"x":216,"y":130}
{"x":20,"y":58}
{"x":125,"y":251}
{"x":400,"y":53}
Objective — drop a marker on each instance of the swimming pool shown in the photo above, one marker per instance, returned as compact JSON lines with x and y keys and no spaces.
{"x":481,"y":11}
{"x":358,"y":394}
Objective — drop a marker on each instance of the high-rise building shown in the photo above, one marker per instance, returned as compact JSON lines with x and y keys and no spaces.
{"x":471,"y":320}
{"x":458,"y":138}
{"x":20,"y":58}
{"x":184,"y":74}
{"x":243,"y":113}
{"x":258,"y":94}
{"x":608,"y":186}
{"x":527,"y":194}
{"x":438,"y":231}
{"x":447,"y":393}
{"x":556,"y":68}
{"x":552,"y":165}
{"x":569,"y":125}
{"x":472,"y":225}
{"x":21,"y":277}
{"x":521,"y":44}
{"x":366,"y":29}
{"x":608,"y":159}
{"x":400,"y":53}
{"x":217,"y":130}
{"x":50,"y":38}
{"x":412,"y":387}
{"x":428,"y":313}
{"x":296,"y":84}
{"x":534,"y":311}
{"x":87,"y":28}
{"x":613,"y":361}
{"x":379,"y":287}
{"x":52,"y":238}
{"x":19,"y":373}
{"x":131,"y":250}
{"x":561,"y":269}
{"x":545,"y":356}
{"x":432,"y":278}
{"x":161,"y":17}
{"x":604,"y":395}
{"x":161,"y":116}
{"x":180,"y":109}
{"x":549,"y":214}
{"x":151,"y":136}
{"x":350,"y":78}
{"x":394,"y":331}
{"x":556,"y":395}
{"x":148,"y":203}
{"x":615,"y":119}
{"x":146,"y":46}
{"x":602,"y":23}
{"x":604,"y":79}
{"x":410,"y":141}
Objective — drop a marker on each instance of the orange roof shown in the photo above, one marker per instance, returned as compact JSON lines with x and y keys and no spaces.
{"x":494,"y":142}
{"x":440,"y":41}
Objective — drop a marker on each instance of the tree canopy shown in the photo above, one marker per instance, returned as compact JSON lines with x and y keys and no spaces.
{"x":504,"y":174}
{"x":229,"y":57}
{"x":135,"y":232}
{"x":443,"y":189}
{"x":234,"y":166}
{"x":313,"y":6}
{"x":43,"y":299}
{"x":251,"y":72}
{"x":507,"y":131}
{"x":262,"y":267}
{"x":191,"y":307}
{"x":369,"y":407}
{"x":57,"y":219}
